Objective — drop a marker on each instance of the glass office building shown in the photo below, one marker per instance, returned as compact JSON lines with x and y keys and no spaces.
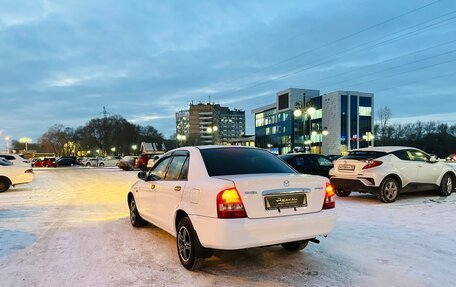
{"x":304,"y":120}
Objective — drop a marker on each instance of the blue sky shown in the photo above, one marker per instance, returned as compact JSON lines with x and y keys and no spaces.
{"x":61,"y":62}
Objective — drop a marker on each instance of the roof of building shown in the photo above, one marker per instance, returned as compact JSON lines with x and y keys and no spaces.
{"x":264,"y":108}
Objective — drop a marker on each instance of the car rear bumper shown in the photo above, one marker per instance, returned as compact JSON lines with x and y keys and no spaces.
{"x":231,"y":234}
{"x":353,"y":184}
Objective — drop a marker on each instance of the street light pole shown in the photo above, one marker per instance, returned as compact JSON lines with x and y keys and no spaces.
{"x":7,"y":139}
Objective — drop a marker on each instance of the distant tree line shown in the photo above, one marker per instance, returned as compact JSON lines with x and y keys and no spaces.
{"x":108,"y":135}
{"x":432,"y":137}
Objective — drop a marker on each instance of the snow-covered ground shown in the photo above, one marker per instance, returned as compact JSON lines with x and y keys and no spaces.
{"x":70,"y":227}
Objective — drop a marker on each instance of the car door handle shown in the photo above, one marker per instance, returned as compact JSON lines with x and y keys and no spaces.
{"x":177,"y":188}
{"x":152,"y":186}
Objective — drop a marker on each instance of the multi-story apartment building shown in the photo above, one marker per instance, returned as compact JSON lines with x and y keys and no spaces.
{"x":211,"y":124}
{"x":302,"y":119}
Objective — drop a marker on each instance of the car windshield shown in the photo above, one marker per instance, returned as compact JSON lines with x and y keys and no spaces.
{"x":363,"y":154}
{"x":242,"y":161}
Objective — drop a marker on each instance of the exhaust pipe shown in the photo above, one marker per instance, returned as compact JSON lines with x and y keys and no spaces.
{"x":315,"y":240}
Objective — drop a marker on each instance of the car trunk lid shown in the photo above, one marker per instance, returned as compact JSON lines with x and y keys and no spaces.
{"x":275,"y":195}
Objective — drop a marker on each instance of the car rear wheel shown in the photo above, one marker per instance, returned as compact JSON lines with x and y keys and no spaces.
{"x":342,"y":193}
{"x":389,"y":190}
{"x":189,"y":249}
{"x":101,"y":164}
{"x":447,"y":185}
{"x":4,"y":184}
{"x":135,"y":219}
{"x":295,"y":245}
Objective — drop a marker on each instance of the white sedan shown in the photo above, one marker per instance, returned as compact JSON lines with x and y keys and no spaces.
{"x":12,"y":175}
{"x":218,"y":197}
{"x":389,"y":171}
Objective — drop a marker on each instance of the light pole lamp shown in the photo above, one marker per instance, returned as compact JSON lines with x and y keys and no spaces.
{"x":181,"y":139}
{"x":212,"y":130}
{"x":368,"y":136}
{"x":25,"y":140}
{"x":7,"y":139}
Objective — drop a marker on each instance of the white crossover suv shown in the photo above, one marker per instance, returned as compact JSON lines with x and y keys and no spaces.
{"x":216,"y":197}
{"x":11,"y":175}
{"x":391,"y":170}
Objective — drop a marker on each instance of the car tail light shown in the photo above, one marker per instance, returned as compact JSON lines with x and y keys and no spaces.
{"x":372,"y":163}
{"x":229,"y":204}
{"x":29,"y":170}
{"x":329,"y":202}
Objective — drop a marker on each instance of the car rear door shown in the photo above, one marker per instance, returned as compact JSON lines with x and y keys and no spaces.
{"x":304,"y":164}
{"x":323,"y":165}
{"x":169,"y":190}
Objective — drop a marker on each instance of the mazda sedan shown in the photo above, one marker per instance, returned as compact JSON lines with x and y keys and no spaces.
{"x":218,"y":197}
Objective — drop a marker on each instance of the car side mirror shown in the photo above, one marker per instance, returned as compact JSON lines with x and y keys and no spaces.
{"x":433,"y":158}
{"x":142,"y":175}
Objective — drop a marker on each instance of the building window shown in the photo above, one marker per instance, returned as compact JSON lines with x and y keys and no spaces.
{"x":365,"y":101}
{"x":283,"y":101}
{"x":353,"y":122}
{"x":365,"y":111}
{"x":343,"y":120}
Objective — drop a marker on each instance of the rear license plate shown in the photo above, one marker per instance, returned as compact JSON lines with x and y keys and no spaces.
{"x":285,"y":201}
{"x":349,"y":167}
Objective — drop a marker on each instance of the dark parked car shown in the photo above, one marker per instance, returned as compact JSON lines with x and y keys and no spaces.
{"x":315,"y":164}
{"x":67,"y":161}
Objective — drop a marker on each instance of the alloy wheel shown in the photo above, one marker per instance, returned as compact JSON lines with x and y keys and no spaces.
{"x":390,"y":190}
{"x":133,"y":211}
{"x":449,"y":184}
{"x":184,"y":243}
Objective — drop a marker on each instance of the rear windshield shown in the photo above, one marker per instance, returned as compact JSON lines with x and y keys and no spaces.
{"x":363,"y":154}
{"x":231,"y":161}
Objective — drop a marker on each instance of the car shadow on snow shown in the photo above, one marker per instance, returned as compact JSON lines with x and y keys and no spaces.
{"x":408,"y":197}
{"x":17,"y":213}
{"x":12,"y":241}
{"x":273,"y":264}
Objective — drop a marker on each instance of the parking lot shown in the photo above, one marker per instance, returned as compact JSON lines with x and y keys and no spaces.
{"x":70,"y":227}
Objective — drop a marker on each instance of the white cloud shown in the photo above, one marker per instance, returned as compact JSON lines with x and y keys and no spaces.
{"x":442,"y":117}
{"x":147,"y":118}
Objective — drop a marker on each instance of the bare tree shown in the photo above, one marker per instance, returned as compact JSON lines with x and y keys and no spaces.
{"x":384,"y":115}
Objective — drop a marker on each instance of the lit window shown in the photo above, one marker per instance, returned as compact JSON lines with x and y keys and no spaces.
{"x":365,"y":111}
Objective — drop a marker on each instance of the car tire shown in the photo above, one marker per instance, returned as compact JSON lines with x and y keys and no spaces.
{"x":88,"y":165}
{"x":342,"y":193}
{"x":447,"y":185}
{"x":135,"y":219}
{"x":4,"y":184}
{"x":101,"y":164}
{"x":389,"y":190}
{"x":189,"y":249}
{"x":295,"y":245}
